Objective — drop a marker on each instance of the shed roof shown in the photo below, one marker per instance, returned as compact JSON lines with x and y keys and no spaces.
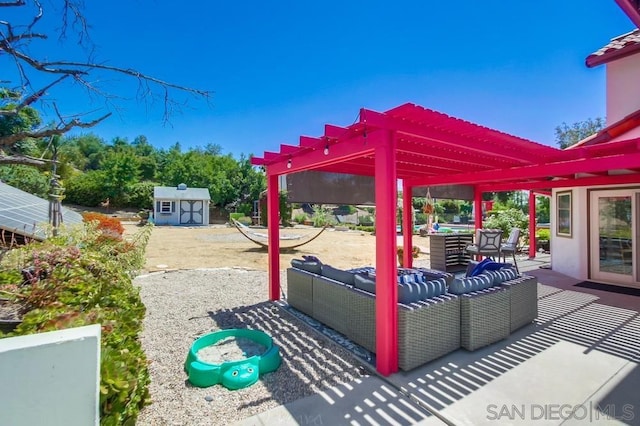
{"x":174,"y":193}
{"x":25,"y":214}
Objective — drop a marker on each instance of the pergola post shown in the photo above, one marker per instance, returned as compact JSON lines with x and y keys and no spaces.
{"x":407,"y":225}
{"x":386,"y":264}
{"x":477,"y":207}
{"x":532,"y":225}
{"x":273,"y":225}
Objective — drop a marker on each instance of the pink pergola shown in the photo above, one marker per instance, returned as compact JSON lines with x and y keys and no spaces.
{"x":427,"y":148}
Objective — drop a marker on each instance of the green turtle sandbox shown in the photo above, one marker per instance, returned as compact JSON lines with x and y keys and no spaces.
{"x":236,"y":374}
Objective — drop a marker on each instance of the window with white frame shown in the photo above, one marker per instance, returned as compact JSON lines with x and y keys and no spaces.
{"x":165,"y":206}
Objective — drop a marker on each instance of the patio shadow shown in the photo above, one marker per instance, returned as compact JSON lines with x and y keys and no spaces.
{"x":565,"y":317}
{"x":311,"y":364}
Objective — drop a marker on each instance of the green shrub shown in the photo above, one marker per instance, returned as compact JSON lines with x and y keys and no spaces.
{"x":543,"y":234}
{"x":245,"y":220}
{"x":140,"y":195}
{"x":345,"y":209}
{"x":365,"y":220}
{"x":365,"y":228}
{"x":86,"y":189}
{"x":322,"y":217}
{"x":421,"y":218}
{"x":77,"y":278}
{"x":285,"y":210}
{"x":506,"y":220}
{"x":236,"y":216}
{"x":300,"y":218}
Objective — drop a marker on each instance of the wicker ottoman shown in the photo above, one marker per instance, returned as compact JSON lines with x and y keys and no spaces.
{"x":484,"y":317}
{"x":523,"y":300}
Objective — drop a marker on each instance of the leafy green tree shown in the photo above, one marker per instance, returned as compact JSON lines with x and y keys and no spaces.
{"x":507,"y":220}
{"x":86,"y":189}
{"x":26,"y":178}
{"x":567,"y":135}
{"x":141,"y":195}
{"x":543,"y":209}
{"x":148,"y":156}
{"x":119,"y":144}
{"x":121,"y":171}
{"x":142,"y":147}
{"x":84,"y":152}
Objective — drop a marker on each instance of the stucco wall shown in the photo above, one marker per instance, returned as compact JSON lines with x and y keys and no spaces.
{"x":51,"y":378}
{"x":569,"y":255}
{"x":623,"y":90}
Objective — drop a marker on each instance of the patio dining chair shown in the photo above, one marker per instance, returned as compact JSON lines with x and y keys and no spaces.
{"x":511,"y":247}
{"x":488,"y":243}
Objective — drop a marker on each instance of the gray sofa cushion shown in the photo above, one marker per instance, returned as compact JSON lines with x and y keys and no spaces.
{"x":365,"y":283}
{"x":309,"y":266}
{"x":336,"y":274}
{"x":502,"y":275}
{"x":470,"y":284}
{"x":410,"y":292}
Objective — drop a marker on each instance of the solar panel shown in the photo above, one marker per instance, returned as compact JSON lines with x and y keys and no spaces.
{"x":25,"y":214}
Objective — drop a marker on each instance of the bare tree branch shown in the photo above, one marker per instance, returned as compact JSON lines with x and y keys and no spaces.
{"x":32,"y":98}
{"x":16,"y":137}
{"x":16,"y":39}
{"x":21,"y":160}
{"x":13,"y":3}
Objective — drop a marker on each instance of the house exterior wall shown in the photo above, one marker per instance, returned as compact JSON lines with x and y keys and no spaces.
{"x":623,"y":90}
{"x":569,"y":256}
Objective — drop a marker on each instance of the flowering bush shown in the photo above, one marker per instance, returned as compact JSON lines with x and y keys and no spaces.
{"x":110,"y":226}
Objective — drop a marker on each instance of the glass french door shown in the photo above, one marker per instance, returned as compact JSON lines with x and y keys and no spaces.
{"x":614,"y":252}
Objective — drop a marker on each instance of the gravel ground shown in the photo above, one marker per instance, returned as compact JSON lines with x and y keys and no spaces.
{"x":184,"y":305}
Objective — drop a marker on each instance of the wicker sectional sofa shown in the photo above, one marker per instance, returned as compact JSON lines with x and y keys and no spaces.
{"x":428,"y":327}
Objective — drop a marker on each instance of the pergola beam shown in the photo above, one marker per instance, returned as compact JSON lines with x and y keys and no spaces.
{"x":537,"y":171}
{"x":565,"y":183}
{"x":453,"y":139}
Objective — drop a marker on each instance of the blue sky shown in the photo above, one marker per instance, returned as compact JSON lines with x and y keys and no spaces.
{"x":283,"y":69}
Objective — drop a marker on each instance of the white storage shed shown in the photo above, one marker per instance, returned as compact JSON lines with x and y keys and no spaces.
{"x":181,"y":205}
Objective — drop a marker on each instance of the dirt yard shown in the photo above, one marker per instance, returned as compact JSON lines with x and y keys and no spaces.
{"x":173,"y":247}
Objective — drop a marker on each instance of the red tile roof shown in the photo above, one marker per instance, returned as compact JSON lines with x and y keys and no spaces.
{"x":612,"y":131}
{"x":619,"y":47}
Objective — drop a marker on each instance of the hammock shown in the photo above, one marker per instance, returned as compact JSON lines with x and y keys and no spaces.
{"x":262,"y":239}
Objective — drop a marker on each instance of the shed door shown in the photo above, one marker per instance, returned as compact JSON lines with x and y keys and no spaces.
{"x":191,"y":212}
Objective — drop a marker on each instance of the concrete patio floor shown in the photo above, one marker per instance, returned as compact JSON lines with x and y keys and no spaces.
{"x":578,"y":363}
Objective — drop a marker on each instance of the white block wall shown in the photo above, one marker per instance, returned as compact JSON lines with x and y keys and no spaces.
{"x":51,"y":378}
